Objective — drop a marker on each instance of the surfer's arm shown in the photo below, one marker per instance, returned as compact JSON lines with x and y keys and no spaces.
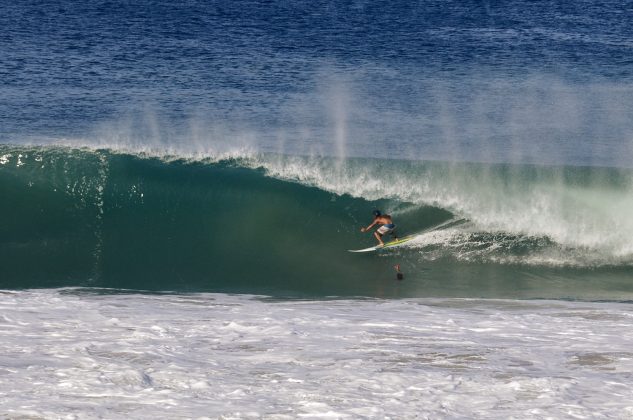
{"x":365,"y":229}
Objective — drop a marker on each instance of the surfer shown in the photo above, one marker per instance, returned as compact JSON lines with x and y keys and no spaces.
{"x":387,"y":226}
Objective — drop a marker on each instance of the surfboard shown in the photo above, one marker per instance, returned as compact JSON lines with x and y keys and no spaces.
{"x":390,"y":244}
{"x":400,"y":241}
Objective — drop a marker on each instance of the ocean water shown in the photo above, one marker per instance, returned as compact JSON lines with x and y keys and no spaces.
{"x":180,"y":183}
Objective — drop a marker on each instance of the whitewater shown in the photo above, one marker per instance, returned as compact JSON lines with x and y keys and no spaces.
{"x":76,"y":353}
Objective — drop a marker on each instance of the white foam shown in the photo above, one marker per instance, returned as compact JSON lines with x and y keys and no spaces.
{"x":466,"y":243}
{"x":71,"y":353}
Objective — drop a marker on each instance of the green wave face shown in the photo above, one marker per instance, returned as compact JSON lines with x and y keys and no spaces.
{"x":72,"y":217}
{"x":95,"y":218}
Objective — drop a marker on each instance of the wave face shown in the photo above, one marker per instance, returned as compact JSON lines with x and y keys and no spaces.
{"x":281,"y":225}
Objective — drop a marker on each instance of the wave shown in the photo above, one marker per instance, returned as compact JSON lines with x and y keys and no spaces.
{"x":231,"y":221}
{"x":576,"y":207}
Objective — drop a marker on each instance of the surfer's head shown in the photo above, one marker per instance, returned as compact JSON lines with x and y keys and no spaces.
{"x":377,"y":213}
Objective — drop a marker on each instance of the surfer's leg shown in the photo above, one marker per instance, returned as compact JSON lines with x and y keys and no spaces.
{"x":379,"y":238}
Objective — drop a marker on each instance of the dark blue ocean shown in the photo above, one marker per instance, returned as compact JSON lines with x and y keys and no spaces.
{"x":537,"y":82}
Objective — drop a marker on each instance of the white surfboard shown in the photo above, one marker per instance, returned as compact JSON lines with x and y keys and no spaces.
{"x":391,"y":244}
